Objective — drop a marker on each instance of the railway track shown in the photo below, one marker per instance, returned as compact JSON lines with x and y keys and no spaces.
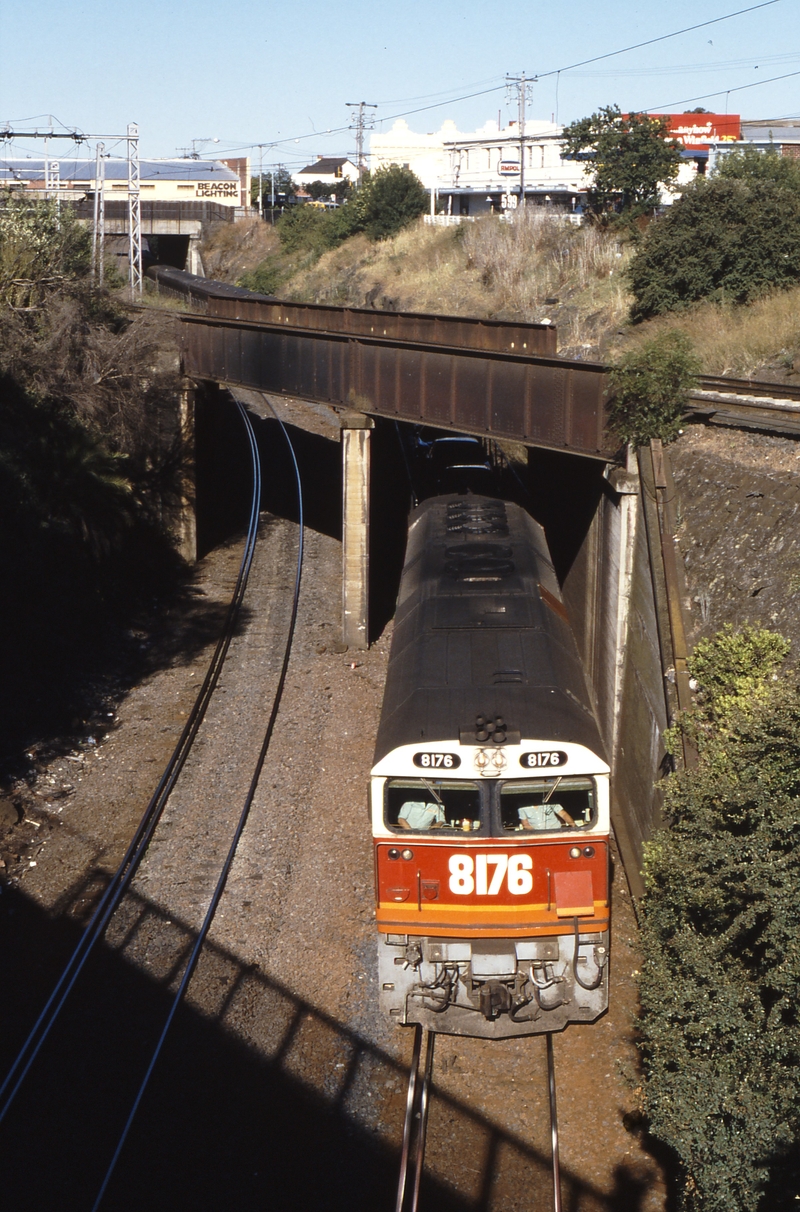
{"x":113,"y":898}
{"x":415,"y":1123}
{"x":747,"y":404}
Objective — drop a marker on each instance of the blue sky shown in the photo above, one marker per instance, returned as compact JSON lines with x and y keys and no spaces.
{"x":281,"y":74}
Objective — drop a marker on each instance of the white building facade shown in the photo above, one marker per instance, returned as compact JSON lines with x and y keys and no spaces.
{"x":484,"y":171}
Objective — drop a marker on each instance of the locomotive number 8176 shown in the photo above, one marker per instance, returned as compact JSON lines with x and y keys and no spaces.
{"x":489,"y":791}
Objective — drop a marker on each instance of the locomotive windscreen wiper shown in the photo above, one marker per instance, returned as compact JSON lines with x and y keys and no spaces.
{"x":552,"y":790}
{"x":435,"y":795}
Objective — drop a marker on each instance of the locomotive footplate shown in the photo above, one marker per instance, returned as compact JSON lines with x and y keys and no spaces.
{"x":493,"y":988}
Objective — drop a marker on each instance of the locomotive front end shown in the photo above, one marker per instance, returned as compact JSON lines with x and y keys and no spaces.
{"x":489,"y":792}
{"x":491,"y":876}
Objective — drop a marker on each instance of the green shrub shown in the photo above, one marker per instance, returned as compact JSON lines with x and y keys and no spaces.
{"x":750,"y":164}
{"x":266,"y":279}
{"x":389,"y":200}
{"x":649,"y":388}
{"x":725,"y":239}
{"x":719,"y":1027}
{"x":40,"y":248}
{"x":301,"y":228}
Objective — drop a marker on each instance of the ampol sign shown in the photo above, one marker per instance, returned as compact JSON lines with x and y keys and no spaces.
{"x":508,"y":168}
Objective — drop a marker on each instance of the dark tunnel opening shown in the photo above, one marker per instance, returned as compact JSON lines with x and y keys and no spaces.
{"x":169,"y":250}
{"x":560,"y":490}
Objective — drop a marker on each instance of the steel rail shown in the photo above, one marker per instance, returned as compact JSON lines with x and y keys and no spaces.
{"x":422,"y":1121}
{"x":415,"y":1123}
{"x":140,"y":841}
{"x":408,"y":1122}
{"x":219,"y":888}
{"x":551,"y":1086}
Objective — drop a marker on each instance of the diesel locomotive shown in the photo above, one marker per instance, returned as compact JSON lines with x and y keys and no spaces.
{"x":489,"y":793}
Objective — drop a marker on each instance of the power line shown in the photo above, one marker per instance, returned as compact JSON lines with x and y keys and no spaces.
{"x":662,"y":38}
{"x":723,"y":92}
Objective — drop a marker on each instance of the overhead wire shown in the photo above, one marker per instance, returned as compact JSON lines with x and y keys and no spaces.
{"x":534,"y":77}
{"x":723,"y":92}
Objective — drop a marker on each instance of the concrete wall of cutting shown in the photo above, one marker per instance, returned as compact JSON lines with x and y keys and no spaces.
{"x":611,"y":598}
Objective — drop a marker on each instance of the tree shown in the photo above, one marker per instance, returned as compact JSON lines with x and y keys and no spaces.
{"x":725,"y":239}
{"x":284,"y":188}
{"x":631,"y":156}
{"x":340,"y":189}
{"x":719,"y":1027}
{"x":650,"y":387}
{"x":388,"y":200}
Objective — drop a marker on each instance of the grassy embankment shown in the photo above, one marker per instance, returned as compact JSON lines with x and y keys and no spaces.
{"x":531,"y":270}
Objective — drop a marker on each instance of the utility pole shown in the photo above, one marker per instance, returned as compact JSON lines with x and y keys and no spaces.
{"x":99,"y":217}
{"x":272,"y":196}
{"x":361,"y":122}
{"x":260,"y":175}
{"x":134,"y":212}
{"x":522,"y":84}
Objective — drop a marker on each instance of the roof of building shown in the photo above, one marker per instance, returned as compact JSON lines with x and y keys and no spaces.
{"x":325,"y":165}
{"x":759,"y":130}
{"x":117,"y":170}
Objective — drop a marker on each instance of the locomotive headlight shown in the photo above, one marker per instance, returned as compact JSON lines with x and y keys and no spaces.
{"x":588,"y":851}
{"x":393,"y":854}
{"x":575,"y":852}
{"x":408,"y":854}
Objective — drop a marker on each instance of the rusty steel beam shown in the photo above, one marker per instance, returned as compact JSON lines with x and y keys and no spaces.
{"x":226,"y":302}
{"x":540,"y":401}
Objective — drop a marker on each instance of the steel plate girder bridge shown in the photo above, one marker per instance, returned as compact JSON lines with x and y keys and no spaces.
{"x":486,"y":378}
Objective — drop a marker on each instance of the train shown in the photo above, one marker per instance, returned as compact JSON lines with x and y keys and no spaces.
{"x":489,"y":792}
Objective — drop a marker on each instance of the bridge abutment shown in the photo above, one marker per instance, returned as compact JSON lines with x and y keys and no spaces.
{"x":356,"y":459}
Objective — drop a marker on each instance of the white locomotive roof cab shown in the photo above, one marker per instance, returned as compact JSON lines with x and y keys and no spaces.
{"x":489,"y":761}
{"x":574,"y":762}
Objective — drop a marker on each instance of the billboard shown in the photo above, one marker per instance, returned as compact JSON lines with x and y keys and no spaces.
{"x":697,"y":131}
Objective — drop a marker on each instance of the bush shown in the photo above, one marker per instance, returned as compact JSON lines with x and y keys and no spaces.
{"x":40,"y":249}
{"x":720,"y":1031}
{"x":750,"y":164}
{"x":389,"y":200}
{"x":650,"y":388}
{"x":302,"y":229}
{"x":727,"y":239}
{"x":266,"y":279}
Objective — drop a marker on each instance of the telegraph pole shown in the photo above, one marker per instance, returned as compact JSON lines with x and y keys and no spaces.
{"x":361,"y":122}
{"x":260,"y":175}
{"x":522,"y":84}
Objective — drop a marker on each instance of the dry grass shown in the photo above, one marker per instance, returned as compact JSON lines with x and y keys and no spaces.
{"x":759,"y":340}
{"x":232,"y":249}
{"x":532,"y":269}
